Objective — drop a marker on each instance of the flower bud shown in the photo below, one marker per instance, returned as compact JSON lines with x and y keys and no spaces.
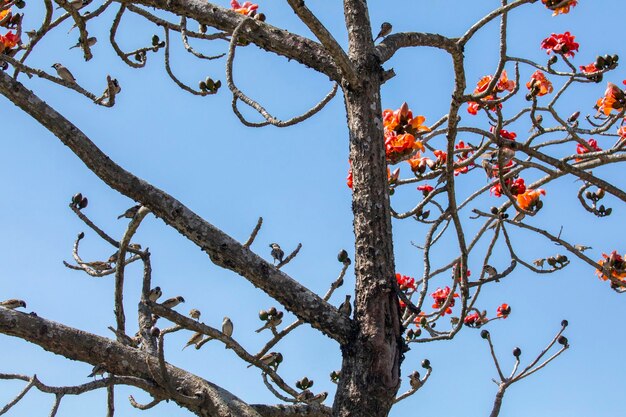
{"x":562,"y":340}
{"x":263,"y":315}
{"x":484,"y":334}
{"x":564,"y":323}
{"x":83,"y":203}
{"x":517,"y":352}
{"x":426,"y":364}
{"x":342,"y":256}
{"x":272,"y":311}
{"x":77,"y":198}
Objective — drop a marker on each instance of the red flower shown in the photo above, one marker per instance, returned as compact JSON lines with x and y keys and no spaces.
{"x":400,"y":131}
{"x":472,"y":320}
{"x":515,"y":187}
{"x":559,"y":6}
{"x":504,"y":310}
{"x":247,"y":9}
{"x":622,"y":132}
{"x":425,"y":189}
{"x":442,"y":156}
{"x":504,"y":84}
{"x":349,"y":177}
{"x":589,"y":69}
{"x":9,"y":40}
{"x":561,"y":43}
{"x":440,"y":296}
{"x":539,"y":85}
{"x":592,"y":147}
{"x":405,"y":282}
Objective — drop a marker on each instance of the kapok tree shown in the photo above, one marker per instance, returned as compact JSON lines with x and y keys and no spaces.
{"x":392,"y":311}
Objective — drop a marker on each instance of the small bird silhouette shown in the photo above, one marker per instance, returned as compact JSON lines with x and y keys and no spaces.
{"x":385,"y":29}
{"x":227,"y":327}
{"x":90,"y":41}
{"x":97,"y":370}
{"x":12,"y":304}
{"x":271,"y":359}
{"x":76,"y":4}
{"x":130,"y":213}
{"x":346,"y":306}
{"x":194,"y":314}
{"x":277,"y":253}
{"x":194,"y":339}
{"x":414,"y":380}
{"x":272,"y":322}
{"x":319,"y":398}
{"x":582,"y":248}
{"x":173,"y":302}
{"x":64,"y":73}
{"x":154,"y":294}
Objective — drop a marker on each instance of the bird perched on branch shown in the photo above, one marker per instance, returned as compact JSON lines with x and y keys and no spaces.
{"x":277,"y":253}
{"x":64,"y":73}
{"x":173,"y":302}
{"x":272,"y":322}
{"x":194,"y":314}
{"x":271,"y":359}
{"x":194,"y":339}
{"x":75,"y":4}
{"x":97,"y":370}
{"x":154,"y":294}
{"x":385,"y":29}
{"x":346,"y":306}
{"x":227,"y":327}
{"x":131,"y":212}
{"x":12,"y":304}
{"x":319,"y":398}
{"x":90,"y":41}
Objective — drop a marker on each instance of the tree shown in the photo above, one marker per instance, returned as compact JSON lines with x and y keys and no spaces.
{"x":392,"y":312}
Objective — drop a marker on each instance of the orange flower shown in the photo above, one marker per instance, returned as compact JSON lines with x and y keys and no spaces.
{"x":562,"y":8}
{"x":529,"y":200}
{"x":622,"y":132}
{"x":589,"y":69}
{"x":539,"y":85}
{"x":613,"y":263}
{"x":613,"y":99}
{"x":503,"y":83}
{"x":418,"y":163}
{"x":4,"y":13}
{"x":9,"y":40}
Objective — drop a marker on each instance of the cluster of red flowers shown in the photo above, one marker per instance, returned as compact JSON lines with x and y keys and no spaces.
{"x":405,"y":282}
{"x":503,"y":311}
{"x":613,"y":99}
{"x":401,"y":128}
{"x":473,"y":320}
{"x":559,"y":6}
{"x":560,"y":43}
{"x":614,"y":264}
{"x":592,"y":146}
{"x":465,"y":152}
{"x":9,"y":40}
{"x":425,"y":189}
{"x":503,"y":84}
{"x":440,"y":296}
{"x":539,"y":85}
{"x":515,"y":187}
{"x":246,"y":9}
{"x":589,"y":69}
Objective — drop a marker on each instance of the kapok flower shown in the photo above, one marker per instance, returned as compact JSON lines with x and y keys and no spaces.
{"x":418,"y":163}
{"x":425,"y":189}
{"x":530,"y":199}
{"x":613,"y":264}
{"x":515,"y":187}
{"x":503,"y":84}
{"x":559,"y":6}
{"x":442,"y":156}
{"x":505,"y":134}
{"x":349,"y":177}
{"x":560,"y":43}
{"x":613,"y":99}
{"x":589,"y":69}
{"x":622,"y":132}
{"x":503,"y":311}
{"x":539,"y":85}
{"x":402,"y":120}
{"x":405,"y":282}
{"x":472,"y":320}
{"x":592,"y":147}
{"x":9,"y":40}
{"x":246,"y":9}
{"x":440,"y":296}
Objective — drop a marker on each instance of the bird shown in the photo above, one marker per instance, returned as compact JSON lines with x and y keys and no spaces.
{"x":385,"y":29}
{"x":272,"y":322}
{"x":97,"y":370}
{"x":154,"y":294}
{"x":539,"y":262}
{"x":582,"y":248}
{"x":130,"y":213}
{"x":270,"y":359}
{"x":98,"y":265}
{"x":194,"y":314}
{"x":346,"y":306}
{"x":227,"y":327}
{"x":319,"y":398}
{"x":277,"y":252}
{"x":90,"y":41}
{"x":414,"y":380}
{"x":64,"y":73}
{"x":12,"y":304}
{"x":173,"y":302}
{"x":490,"y":271}
{"x":75,"y":4}
{"x":194,"y":339}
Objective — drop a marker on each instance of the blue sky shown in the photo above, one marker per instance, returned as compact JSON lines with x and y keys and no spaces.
{"x":195,"y":149}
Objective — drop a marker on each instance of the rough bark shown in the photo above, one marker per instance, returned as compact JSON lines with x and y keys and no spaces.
{"x":370,"y":374}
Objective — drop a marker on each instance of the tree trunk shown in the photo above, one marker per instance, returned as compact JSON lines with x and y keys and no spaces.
{"x":370,"y":374}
